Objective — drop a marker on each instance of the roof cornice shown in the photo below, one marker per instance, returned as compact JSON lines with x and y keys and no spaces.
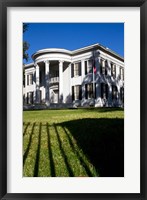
{"x":96,"y":46}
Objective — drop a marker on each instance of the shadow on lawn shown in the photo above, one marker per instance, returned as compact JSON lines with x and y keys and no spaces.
{"x":102,"y":141}
{"x":106,"y":109}
{"x":30,"y":141}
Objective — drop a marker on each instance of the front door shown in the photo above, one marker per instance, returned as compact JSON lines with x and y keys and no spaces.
{"x":56,"y":96}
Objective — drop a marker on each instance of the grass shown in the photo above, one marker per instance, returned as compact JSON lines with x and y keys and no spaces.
{"x":73,"y":143}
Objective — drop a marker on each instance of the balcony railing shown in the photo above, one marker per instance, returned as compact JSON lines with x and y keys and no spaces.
{"x":54,"y":79}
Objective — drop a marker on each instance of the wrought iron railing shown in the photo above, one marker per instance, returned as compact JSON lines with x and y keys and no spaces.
{"x":54,"y":79}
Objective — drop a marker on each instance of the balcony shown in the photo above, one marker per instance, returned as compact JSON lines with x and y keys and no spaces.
{"x":54,"y":80}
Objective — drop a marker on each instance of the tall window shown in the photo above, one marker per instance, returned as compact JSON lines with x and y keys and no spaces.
{"x":104,"y":91}
{"x":88,"y":66}
{"x":114,"y":92}
{"x":121,"y":73}
{"x":113,"y":70}
{"x":76,"y":92}
{"x":103,"y":66}
{"x":89,"y":92}
{"x":29,"y":79}
{"x":76,"y":69}
{"x":30,"y":98}
{"x":106,"y":67}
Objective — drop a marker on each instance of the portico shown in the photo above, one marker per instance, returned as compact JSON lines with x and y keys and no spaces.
{"x":49,"y":81}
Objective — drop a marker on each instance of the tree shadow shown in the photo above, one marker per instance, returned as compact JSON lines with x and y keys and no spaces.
{"x":52,"y":166}
{"x":80,"y":158}
{"x":102,"y":141}
{"x":25,"y":130}
{"x":29,"y":144}
{"x":36,"y":167}
{"x":103,"y":109}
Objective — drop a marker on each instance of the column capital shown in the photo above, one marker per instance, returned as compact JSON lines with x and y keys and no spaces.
{"x":36,"y":65}
{"x":46,"y":61}
{"x":61,"y":61}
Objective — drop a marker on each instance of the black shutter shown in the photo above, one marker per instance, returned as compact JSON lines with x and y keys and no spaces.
{"x":86,"y":94}
{"x":101,"y":90}
{"x":85,"y":67}
{"x":73,"y":93}
{"x":101,"y":66}
{"x":95,"y":91}
{"x":72,"y":70}
{"x":106,"y":67}
{"x":27,"y":97}
{"x":91,"y":92}
{"x":106,"y":91}
{"x":27,"y":79}
{"x":80,"y":92}
{"x":115,"y":71}
{"x":111,"y":69}
{"x":112,"y":92}
{"x":79,"y":68}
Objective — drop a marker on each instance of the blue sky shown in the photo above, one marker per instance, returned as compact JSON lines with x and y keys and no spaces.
{"x":72,"y":36}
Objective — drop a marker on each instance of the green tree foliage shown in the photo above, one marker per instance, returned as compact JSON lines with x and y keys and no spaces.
{"x":26,"y":45}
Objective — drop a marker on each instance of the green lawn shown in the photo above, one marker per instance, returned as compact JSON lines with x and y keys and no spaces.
{"x":73,"y":143}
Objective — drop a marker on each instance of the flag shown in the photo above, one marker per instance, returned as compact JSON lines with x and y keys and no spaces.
{"x":94,"y":67}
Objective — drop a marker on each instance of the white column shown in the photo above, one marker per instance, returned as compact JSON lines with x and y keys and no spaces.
{"x":83,"y":76}
{"x":37,"y":85}
{"x":109,"y":94}
{"x":60,"y":81}
{"x":25,"y":87}
{"x":118,"y":95}
{"x":70,"y":82}
{"x":47,"y":94}
{"x":34,"y":87}
{"x":97,"y":63}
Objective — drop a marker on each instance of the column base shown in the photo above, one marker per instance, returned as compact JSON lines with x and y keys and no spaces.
{"x":47,"y":103}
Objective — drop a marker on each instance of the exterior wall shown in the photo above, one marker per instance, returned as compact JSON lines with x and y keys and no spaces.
{"x":100,"y":80}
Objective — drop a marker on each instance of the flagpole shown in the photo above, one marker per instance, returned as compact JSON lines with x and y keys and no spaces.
{"x":93,"y":84}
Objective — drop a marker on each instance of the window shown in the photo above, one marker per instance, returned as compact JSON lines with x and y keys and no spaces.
{"x":121,"y":73}
{"x":76,"y":69}
{"x":103,"y":66}
{"x":89,"y":92}
{"x":114,"y":92}
{"x":29,"y":79}
{"x":113,"y":70}
{"x":88,"y":66}
{"x":76,"y":92}
{"x":30,"y":98}
{"x":106,"y":67}
{"x":104,"y":91}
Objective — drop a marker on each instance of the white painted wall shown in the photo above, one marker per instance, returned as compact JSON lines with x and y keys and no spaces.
{"x":68,"y":82}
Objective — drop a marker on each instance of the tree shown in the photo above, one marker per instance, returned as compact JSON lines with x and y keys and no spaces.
{"x":26,"y":45}
{"x":25,"y":48}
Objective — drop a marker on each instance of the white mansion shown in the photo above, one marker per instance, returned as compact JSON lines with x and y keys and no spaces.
{"x":89,"y":76}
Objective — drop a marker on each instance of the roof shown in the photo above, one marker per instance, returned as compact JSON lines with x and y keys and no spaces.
{"x":96,"y":46}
